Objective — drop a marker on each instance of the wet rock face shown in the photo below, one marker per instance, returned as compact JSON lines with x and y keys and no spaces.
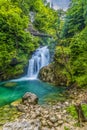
{"x":52,"y":75}
{"x":29,"y":98}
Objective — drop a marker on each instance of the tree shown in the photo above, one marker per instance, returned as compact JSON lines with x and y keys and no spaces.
{"x":14,"y":40}
{"x":75,"y":21}
{"x":77,"y":30}
{"x":78,"y":58}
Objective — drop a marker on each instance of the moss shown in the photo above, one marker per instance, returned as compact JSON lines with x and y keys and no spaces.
{"x":10,"y":84}
{"x":72,"y":111}
{"x":56,"y":97}
{"x":66,"y":128}
{"x":7,"y":114}
{"x":84,"y":108}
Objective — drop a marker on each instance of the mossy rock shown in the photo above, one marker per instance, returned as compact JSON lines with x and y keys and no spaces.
{"x":53,"y":74}
{"x":10,"y":84}
{"x":15,"y":103}
{"x":8,"y":113}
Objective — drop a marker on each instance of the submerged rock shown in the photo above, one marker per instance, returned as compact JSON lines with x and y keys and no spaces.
{"x":10,"y":84}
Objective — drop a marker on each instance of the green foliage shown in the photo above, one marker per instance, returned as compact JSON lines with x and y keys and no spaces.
{"x":71,"y":109}
{"x":84,"y":108}
{"x":75,"y":20}
{"x":55,"y":97}
{"x":46,"y":19}
{"x":78,"y":57}
{"x":61,"y":58}
{"x":14,"y":40}
{"x":72,"y":50}
{"x":66,"y":128}
{"x":59,"y":52}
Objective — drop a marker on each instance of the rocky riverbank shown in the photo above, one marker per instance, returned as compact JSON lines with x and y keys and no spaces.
{"x":46,"y":117}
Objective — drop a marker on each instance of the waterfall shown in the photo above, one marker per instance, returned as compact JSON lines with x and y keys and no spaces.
{"x":32,"y":15}
{"x":39,"y":59}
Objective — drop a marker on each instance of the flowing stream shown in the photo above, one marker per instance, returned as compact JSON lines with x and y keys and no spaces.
{"x":15,"y":89}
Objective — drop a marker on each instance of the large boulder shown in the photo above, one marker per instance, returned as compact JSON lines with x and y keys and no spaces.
{"x":53,"y":75}
{"x":29,"y":98}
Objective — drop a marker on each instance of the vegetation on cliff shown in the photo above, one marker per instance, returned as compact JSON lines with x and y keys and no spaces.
{"x":69,"y":67}
{"x":71,"y":50}
{"x":16,"y":43}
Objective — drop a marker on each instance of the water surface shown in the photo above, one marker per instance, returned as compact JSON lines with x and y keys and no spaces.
{"x":10,"y":94}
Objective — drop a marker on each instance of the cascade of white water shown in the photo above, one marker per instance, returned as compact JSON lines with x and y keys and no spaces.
{"x":39,"y":59}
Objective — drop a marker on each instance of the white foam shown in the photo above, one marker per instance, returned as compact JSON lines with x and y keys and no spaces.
{"x":24,"y":79}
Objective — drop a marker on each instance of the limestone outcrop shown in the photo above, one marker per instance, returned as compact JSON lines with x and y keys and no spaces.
{"x":30,"y":98}
{"x":52,"y":75}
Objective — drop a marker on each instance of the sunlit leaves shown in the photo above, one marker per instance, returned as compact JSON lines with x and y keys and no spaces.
{"x":75,"y":20}
{"x":14,"y":40}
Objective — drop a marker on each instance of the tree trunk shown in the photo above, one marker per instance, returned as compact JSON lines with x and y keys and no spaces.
{"x":81,"y":117}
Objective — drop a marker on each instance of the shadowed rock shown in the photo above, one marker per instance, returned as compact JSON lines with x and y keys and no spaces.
{"x":14,"y":62}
